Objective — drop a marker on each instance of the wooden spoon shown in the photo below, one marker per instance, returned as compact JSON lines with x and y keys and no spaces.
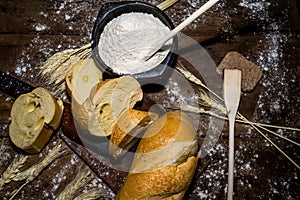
{"x":232,"y":92}
{"x":158,"y":44}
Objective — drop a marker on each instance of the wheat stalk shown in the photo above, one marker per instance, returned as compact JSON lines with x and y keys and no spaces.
{"x":166,"y":4}
{"x":54,"y":62}
{"x":13,"y":169}
{"x":54,"y":70}
{"x":208,"y":101}
{"x":81,"y":179}
{"x":31,"y":173}
{"x":240,"y":118}
{"x":188,"y":75}
{"x":193,"y":109}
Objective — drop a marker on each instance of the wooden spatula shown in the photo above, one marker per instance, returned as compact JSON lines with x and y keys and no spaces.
{"x":232,"y":92}
{"x":158,"y":44}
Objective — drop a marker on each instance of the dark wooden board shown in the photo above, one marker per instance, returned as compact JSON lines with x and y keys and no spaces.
{"x":266,"y":32}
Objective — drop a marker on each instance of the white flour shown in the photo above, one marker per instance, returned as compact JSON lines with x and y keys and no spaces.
{"x":127,"y":39}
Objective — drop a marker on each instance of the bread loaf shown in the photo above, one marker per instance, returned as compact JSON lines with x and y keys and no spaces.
{"x":127,"y":130}
{"x":107,"y":100}
{"x":165,"y":160}
{"x":34,"y":117}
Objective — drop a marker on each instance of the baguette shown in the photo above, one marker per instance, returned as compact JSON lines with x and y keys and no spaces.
{"x":34,"y":117}
{"x":127,"y":130}
{"x":108,"y":99}
{"x":165,"y":160}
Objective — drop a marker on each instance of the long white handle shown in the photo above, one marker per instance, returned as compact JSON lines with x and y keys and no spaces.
{"x":181,"y":26}
{"x":231,"y":157}
{"x":232,"y":93}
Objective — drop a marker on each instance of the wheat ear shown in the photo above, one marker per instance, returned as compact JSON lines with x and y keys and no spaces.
{"x":81,"y":179}
{"x":240,"y":118}
{"x":13,"y":169}
{"x":54,"y":70}
{"x":33,"y":172}
{"x":166,"y":4}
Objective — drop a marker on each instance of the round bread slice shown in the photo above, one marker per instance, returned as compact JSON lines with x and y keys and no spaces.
{"x":107,"y":100}
{"x":165,"y":160}
{"x":81,"y":78}
{"x":128,"y":129}
{"x":34,"y":117}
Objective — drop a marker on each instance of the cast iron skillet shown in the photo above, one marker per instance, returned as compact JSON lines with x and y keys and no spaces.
{"x":110,"y":11}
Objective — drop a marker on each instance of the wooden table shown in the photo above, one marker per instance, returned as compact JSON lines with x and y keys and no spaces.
{"x":265,"y":32}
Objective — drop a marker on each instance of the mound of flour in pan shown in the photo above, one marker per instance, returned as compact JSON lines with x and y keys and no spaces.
{"x":127,"y":39}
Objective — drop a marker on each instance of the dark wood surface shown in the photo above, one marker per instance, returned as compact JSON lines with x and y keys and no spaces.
{"x":265,"y":32}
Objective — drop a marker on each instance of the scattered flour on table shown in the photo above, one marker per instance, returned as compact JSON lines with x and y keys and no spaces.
{"x":184,"y":9}
{"x":256,"y":9}
{"x":4,"y":153}
{"x":269,"y":59}
{"x":278,"y":78}
{"x":67,"y":13}
{"x":179,"y":95}
{"x":9,"y":99}
{"x":40,"y":27}
{"x":127,"y":39}
{"x":60,"y":177}
{"x":277,"y":88}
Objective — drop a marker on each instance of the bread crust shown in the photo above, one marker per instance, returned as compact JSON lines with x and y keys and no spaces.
{"x":170,"y":182}
{"x":173,"y":126}
{"x":127,"y":130}
{"x":34,"y":117}
{"x":107,"y":100}
{"x":171,"y":179}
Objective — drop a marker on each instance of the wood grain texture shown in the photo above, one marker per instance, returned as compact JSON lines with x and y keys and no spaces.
{"x":32,"y":31}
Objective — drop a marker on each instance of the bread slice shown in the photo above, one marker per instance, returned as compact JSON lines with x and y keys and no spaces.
{"x":127,"y":130}
{"x":34,"y":117}
{"x":165,"y":160}
{"x":81,"y":78}
{"x":107,"y":100}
